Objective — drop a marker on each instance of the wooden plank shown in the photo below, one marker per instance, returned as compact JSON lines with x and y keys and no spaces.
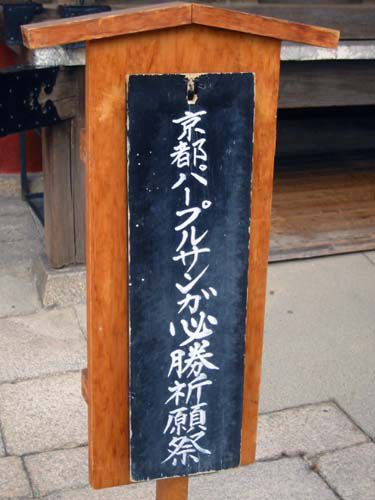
{"x":78,"y":170}
{"x":264,"y":26}
{"x":135,"y":20}
{"x":63,"y":95}
{"x":327,"y":83}
{"x":82,"y":145}
{"x":264,"y":151}
{"x":64,"y":172}
{"x":355,"y":21}
{"x":58,"y":203}
{"x":172,"y":489}
{"x":309,"y":2}
{"x":309,"y":222}
{"x":107,"y":264}
{"x":114,"y":23}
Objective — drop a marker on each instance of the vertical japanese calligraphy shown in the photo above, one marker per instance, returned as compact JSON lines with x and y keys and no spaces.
{"x":189,"y":176}
{"x":191,"y":362}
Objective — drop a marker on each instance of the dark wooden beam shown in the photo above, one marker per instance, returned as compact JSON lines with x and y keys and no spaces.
{"x":58,"y":197}
{"x":322,"y":131}
{"x":354,"y":18}
{"x":354,"y":21}
{"x":327,"y":83}
{"x":78,"y":171}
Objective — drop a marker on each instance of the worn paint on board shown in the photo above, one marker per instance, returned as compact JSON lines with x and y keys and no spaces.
{"x":189,"y":176}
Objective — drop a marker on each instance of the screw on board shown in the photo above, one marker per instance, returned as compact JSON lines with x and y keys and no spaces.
{"x":191,"y":93}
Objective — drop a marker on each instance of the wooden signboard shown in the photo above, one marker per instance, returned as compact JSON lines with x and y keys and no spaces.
{"x":189,"y":178}
{"x":176,"y":39}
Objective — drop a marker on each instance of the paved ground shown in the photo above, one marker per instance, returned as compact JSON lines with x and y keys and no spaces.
{"x":317,"y":429}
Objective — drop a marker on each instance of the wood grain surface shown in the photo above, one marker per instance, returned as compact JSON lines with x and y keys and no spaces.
{"x":323,"y":208}
{"x":147,"y":18}
{"x":58,"y":198}
{"x":108,"y":24}
{"x":78,"y":171}
{"x":327,"y":83}
{"x":354,"y":18}
{"x":190,"y":49}
{"x":172,"y":489}
{"x":263,"y":26}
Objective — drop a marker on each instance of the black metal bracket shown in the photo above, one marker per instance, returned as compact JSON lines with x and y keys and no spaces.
{"x":15,"y":15}
{"x":20,"y":107}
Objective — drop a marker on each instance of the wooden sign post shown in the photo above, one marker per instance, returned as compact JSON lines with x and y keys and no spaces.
{"x":181,"y":103}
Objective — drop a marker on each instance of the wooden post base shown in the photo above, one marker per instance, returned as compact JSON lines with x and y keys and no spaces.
{"x":172,"y":489}
{"x":166,"y":489}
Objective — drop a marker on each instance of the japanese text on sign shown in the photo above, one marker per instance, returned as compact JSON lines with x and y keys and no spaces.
{"x":191,"y":361}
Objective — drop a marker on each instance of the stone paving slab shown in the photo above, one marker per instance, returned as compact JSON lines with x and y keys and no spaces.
{"x":350,"y":472}
{"x":17,"y":227}
{"x":19,"y":238}
{"x":141,"y":491}
{"x":40,"y":344}
{"x":13,"y":206}
{"x":319,"y":341}
{"x":13,"y":479}
{"x":82,"y":317}
{"x":371,"y":256}
{"x":306,"y":430}
{"x":43,"y":414}
{"x":285,"y":479}
{"x":16,"y":256}
{"x":57,"y":470}
{"x":18,"y":295}
{"x":10,"y":186}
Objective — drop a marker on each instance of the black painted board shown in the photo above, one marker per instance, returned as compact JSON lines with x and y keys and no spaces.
{"x":189,"y":192}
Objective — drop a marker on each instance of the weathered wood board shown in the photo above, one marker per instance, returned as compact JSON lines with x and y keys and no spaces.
{"x":189,"y":174}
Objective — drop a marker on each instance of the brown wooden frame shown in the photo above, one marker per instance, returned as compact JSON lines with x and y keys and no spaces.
{"x":172,"y":38}
{"x":168,"y":15}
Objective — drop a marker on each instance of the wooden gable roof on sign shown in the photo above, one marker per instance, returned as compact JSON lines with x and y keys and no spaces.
{"x":170,"y":15}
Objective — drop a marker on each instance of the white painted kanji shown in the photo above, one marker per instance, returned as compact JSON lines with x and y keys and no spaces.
{"x":191,"y":362}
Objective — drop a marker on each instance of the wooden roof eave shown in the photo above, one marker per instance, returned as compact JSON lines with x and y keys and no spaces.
{"x":169,"y":15}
